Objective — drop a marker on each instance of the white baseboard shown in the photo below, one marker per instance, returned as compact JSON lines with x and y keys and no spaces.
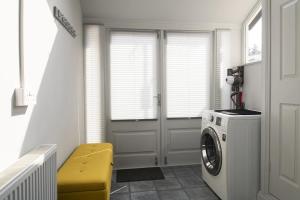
{"x":263,"y":196}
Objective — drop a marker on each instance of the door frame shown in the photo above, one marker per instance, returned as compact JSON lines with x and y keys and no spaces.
{"x":264,"y":193}
{"x":161,"y":83}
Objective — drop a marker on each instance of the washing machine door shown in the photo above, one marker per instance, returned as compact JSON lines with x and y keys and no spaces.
{"x":211,"y":151}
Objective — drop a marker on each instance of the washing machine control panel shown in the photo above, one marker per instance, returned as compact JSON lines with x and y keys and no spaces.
{"x":211,"y":118}
{"x":218,"y":121}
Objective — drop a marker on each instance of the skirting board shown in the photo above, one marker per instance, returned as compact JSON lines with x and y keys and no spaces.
{"x":262,"y":196}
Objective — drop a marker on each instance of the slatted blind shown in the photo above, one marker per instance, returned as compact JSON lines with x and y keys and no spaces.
{"x":94,"y":83}
{"x":223,"y":49}
{"x":133,"y":62}
{"x":188,"y":67}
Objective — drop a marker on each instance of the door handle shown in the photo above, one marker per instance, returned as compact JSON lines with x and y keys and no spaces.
{"x":158,"y":97}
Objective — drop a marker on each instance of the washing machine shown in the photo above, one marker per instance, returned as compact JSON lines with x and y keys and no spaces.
{"x":230,"y":151}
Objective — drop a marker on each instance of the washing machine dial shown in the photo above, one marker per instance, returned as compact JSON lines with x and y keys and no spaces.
{"x":211,"y":118}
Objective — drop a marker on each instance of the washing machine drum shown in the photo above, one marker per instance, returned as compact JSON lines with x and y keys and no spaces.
{"x":211,"y":151}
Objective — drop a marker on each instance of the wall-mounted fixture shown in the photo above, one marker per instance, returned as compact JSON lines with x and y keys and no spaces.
{"x":64,"y":21}
{"x":235,"y":78}
{"x":23,"y":96}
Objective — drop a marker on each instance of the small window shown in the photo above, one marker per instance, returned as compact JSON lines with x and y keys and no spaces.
{"x":253,"y":36}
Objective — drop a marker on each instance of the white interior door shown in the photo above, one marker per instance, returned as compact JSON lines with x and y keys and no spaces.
{"x":134,"y":117}
{"x":285,"y":99}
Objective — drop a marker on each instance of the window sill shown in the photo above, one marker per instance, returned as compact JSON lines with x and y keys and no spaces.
{"x":132,"y":120}
{"x":183,"y":118}
{"x":253,"y":63}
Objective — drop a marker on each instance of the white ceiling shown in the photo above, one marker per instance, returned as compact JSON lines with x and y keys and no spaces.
{"x":208,"y":11}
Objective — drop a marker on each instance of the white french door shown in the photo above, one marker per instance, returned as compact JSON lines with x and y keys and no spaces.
{"x":158,"y":87}
{"x":134,"y":116}
{"x":187,"y":84}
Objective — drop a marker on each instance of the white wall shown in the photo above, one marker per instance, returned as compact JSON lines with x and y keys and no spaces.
{"x":54,"y":65}
{"x":253,"y":86}
{"x":236,"y":48}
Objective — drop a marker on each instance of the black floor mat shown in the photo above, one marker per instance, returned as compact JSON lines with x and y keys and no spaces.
{"x":140,"y":174}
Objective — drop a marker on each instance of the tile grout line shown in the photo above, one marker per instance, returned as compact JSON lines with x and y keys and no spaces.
{"x":173,"y":175}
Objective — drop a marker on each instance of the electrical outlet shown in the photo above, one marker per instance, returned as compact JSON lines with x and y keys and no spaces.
{"x":24,"y":97}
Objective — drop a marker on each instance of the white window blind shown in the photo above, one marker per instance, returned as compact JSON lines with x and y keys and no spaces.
{"x":223,"y":54}
{"x":133,"y":62}
{"x":188,"y":67}
{"x":94,"y":83}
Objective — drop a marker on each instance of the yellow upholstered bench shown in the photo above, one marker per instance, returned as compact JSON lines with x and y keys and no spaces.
{"x":86,"y":175}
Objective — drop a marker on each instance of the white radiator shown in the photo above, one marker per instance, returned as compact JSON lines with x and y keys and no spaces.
{"x":32,"y":177}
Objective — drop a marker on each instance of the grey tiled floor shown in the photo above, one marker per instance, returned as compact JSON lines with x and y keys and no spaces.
{"x":180,"y":183}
